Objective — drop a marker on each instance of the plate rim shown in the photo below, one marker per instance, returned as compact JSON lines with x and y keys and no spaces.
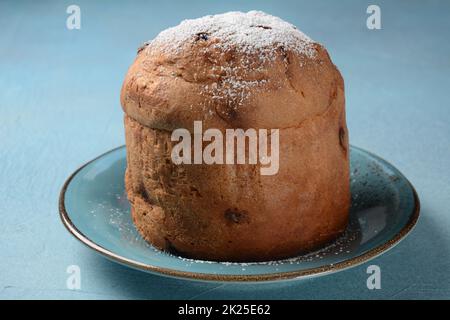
{"x":277,"y":276}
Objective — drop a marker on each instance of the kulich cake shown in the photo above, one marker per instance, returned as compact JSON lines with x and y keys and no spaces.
{"x":229,"y":71}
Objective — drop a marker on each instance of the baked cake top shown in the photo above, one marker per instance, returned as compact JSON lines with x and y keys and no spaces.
{"x":250,"y":32}
{"x":232,"y":70}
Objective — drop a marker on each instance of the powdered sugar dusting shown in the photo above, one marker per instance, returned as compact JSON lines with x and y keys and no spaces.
{"x":257,"y":37}
{"x":246,"y":32}
{"x":342,"y":246}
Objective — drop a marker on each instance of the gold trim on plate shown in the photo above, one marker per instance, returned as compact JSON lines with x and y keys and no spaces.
{"x":236,"y":278}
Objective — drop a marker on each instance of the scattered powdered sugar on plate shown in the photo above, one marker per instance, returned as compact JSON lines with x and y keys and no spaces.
{"x":119,"y":220}
{"x":246,"y":32}
{"x":341,"y":246}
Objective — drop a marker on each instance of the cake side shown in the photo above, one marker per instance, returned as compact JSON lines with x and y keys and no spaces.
{"x":248,"y":71}
{"x":232,"y":213}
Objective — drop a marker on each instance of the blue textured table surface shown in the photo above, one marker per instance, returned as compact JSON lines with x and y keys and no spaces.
{"x":59,"y":107}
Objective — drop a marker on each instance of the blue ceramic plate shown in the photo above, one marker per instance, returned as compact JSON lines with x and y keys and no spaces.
{"x":94,"y":208}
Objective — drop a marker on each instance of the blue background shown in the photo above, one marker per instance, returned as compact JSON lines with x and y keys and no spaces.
{"x":59,"y":107}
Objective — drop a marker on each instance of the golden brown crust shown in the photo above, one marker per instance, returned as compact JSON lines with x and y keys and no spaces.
{"x":167,"y":91}
{"x":232,"y":212}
